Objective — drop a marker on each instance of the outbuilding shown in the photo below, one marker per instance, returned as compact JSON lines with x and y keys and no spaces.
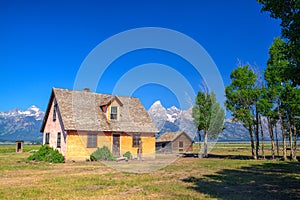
{"x":174,"y":142}
{"x":19,"y":146}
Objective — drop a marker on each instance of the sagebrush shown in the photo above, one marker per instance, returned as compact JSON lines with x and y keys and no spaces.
{"x":47,"y":154}
{"x":102,"y":154}
{"x":127,"y":155}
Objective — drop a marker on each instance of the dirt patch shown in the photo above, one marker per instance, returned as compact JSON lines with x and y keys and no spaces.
{"x":143,"y":166}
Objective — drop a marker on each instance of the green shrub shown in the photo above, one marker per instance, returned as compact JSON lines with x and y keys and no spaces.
{"x":127,"y":155}
{"x":33,"y":150}
{"x":47,"y":154}
{"x":102,"y":154}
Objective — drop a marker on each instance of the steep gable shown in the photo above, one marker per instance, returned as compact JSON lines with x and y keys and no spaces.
{"x":81,"y":110}
{"x":171,"y":136}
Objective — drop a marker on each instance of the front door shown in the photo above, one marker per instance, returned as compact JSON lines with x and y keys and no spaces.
{"x":116,"y":145}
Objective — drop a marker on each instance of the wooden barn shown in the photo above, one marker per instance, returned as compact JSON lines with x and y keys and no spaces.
{"x":174,"y":142}
{"x":78,"y":122}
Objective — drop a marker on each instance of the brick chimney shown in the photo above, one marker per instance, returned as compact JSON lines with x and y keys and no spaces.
{"x":86,"y":90}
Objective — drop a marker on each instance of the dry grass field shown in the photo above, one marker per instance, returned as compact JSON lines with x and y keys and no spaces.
{"x":227,"y":174}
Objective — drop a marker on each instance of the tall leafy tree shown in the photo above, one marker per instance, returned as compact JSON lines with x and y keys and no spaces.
{"x":201,"y":113}
{"x":259,"y":86}
{"x":295,"y":107}
{"x":208,"y":117}
{"x":217,"y":118}
{"x":290,"y":103}
{"x":288,"y":12}
{"x":277,"y":81}
{"x":241,"y":99}
{"x":266,"y":108}
{"x":285,"y":63}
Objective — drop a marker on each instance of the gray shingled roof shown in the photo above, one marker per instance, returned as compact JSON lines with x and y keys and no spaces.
{"x":80,"y":110}
{"x":170,"y":136}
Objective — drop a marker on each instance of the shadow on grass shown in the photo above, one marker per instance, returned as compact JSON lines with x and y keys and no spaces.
{"x":235,"y":157}
{"x":260,"y":181}
{"x":243,"y":157}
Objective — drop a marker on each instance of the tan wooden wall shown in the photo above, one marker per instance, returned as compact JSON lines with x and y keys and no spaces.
{"x":148,"y":145}
{"x":187,"y":143}
{"x":77,"y":144}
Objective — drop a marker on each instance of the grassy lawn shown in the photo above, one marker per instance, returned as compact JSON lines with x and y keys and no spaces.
{"x":227,"y":174}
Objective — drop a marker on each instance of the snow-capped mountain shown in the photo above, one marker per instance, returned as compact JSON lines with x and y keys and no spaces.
{"x":32,"y":111}
{"x":173,"y":114}
{"x":158,"y":114}
{"x":19,"y":124}
{"x":173,"y":119}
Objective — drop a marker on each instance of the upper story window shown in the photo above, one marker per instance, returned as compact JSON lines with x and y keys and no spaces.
{"x":113,"y":112}
{"x":54,"y":111}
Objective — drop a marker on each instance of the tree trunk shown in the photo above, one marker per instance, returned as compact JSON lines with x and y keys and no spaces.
{"x":270,"y":127}
{"x":199,"y":154}
{"x":295,"y":143}
{"x":291,"y":140}
{"x":262,"y":139}
{"x":277,"y":143}
{"x":256,"y":127}
{"x":252,"y":142}
{"x":283,"y":139}
{"x":205,"y":145}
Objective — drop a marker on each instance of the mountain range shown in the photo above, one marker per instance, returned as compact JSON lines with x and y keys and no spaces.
{"x":25,"y":125}
{"x":17,"y":124}
{"x":173,"y":119}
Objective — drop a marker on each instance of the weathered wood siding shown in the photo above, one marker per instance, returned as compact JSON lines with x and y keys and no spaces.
{"x":187,"y":144}
{"x":53,"y":127}
{"x":148,"y":145}
{"x":148,"y":141}
{"x":77,"y":144}
{"x":104,"y":139}
{"x":163,"y":147}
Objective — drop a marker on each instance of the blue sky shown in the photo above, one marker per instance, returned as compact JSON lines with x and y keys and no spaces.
{"x":43,"y":43}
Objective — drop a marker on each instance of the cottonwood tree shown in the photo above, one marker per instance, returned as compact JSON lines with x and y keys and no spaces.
{"x":288,"y":12}
{"x":217,"y":118}
{"x":277,"y":81}
{"x":259,"y":103}
{"x":241,"y":96}
{"x":289,"y":62}
{"x":266,"y":108}
{"x":290,"y":102}
{"x":287,"y":94}
{"x":208,"y":117}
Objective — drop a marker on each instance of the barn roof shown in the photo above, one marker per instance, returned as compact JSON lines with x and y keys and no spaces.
{"x":171,"y":136}
{"x":80,"y":110}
